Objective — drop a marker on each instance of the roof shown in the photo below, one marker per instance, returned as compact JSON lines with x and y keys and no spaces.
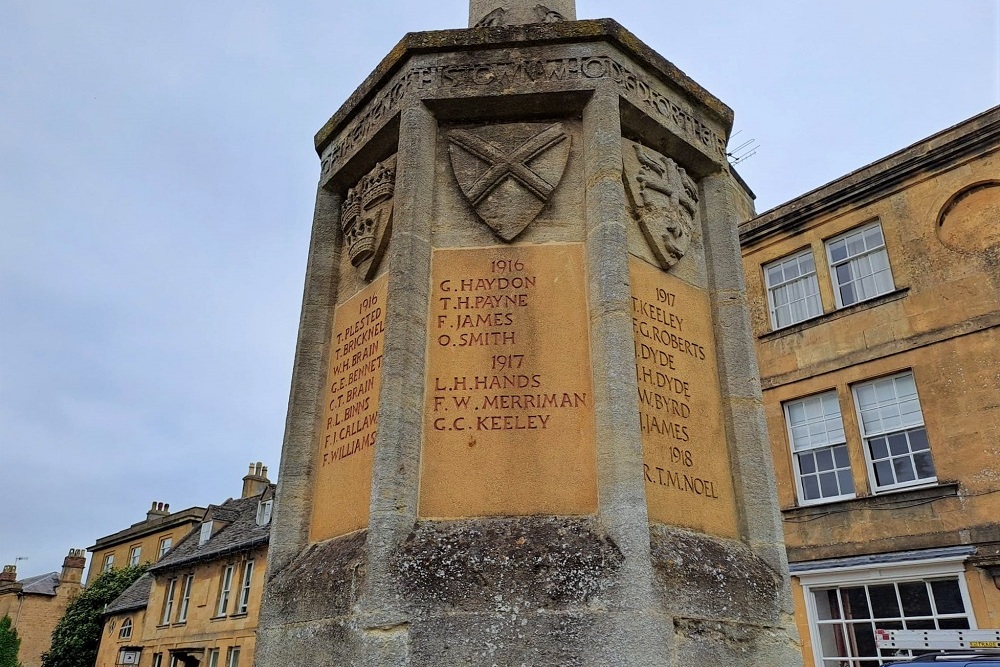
{"x":135,"y":596}
{"x":42,"y":584}
{"x":866,"y":560}
{"x":240,"y":533}
{"x":149,"y":526}
{"x":939,"y":151}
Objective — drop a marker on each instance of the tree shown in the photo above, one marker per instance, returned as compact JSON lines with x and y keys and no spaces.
{"x":78,"y":635}
{"x":9,"y":643}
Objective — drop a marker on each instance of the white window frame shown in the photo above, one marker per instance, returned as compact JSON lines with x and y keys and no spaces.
{"x":225,"y":587}
{"x":134,"y":555}
{"x":165,"y":545}
{"x":109,"y":562}
{"x":883,"y":573}
{"x":807,"y":280}
{"x":868,"y":252}
{"x":795,"y":452}
{"x":168,"y":601}
{"x":866,"y":436}
{"x":264,"y":512}
{"x":213,"y":658}
{"x":125,"y":632}
{"x":243,"y":601}
{"x":182,"y":613}
{"x":233,"y":656}
{"x":206,"y":533}
{"x":157,"y":660}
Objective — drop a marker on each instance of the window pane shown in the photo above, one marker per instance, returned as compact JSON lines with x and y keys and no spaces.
{"x":924,"y":464}
{"x":954,"y":623}
{"x":883,"y":473}
{"x":879,"y":448}
{"x":948,"y":597}
{"x":846,"y":481}
{"x":838,"y":250}
{"x":844,"y":274}
{"x":855,"y":602}
{"x":828,"y":484}
{"x":918,"y":440}
{"x":916,"y":601}
{"x":810,"y":487}
{"x":807,"y":464}
{"x":824,"y":459}
{"x":840,"y":456}
{"x":920,"y":624}
{"x":847,"y":295}
{"x":904,"y":470}
{"x":863,"y":636}
{"x":897,"y":444}
{"x":884,"y":603}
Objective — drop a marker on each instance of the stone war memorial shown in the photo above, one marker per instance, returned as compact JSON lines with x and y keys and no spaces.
{"x":525,"y":422}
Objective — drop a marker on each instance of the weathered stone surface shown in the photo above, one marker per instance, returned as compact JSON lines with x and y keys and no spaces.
{"x":707,"y":577}
{"x":323,"y":582}
{"x":529,"y":562}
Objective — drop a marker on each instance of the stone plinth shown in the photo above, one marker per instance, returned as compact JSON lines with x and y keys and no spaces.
{"x":525,"y":424}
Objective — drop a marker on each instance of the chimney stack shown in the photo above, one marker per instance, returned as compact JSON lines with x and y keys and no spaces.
{"x":157,"y":510}
{"x":9,"y":574}
{"x":72,"y":569}
{"x":256,"y":481}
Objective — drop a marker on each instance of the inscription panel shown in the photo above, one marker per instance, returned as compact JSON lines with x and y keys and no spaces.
{"x":530,"y":72}
{"x":508,"y":413}
{"x":346,"y":446}
{"x":686,"y":467}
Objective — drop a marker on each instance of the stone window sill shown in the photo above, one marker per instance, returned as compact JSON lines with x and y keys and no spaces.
{"x":881,"y":501}
{"x":242,"y":614}
{"x":835,"y":314}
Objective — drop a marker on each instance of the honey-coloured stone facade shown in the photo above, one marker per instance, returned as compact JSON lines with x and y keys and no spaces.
{"x":934,"y":320}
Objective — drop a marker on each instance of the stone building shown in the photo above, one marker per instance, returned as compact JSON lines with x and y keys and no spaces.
{"x":199,"y":604}
{"x":875,"y":303}
{"x":35,"y":604}
{"x":143,"y":542}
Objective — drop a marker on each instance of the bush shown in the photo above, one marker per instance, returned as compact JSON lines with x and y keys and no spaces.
{"x":78,"y":635}
{"x":9,"y":643}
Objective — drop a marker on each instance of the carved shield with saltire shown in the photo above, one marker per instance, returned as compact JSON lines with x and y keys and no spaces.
{"x":664,"y":199}
{"x":506,"y":174}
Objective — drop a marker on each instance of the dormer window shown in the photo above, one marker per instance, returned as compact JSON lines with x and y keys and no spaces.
{"x":264,"y":512}
{"x":206,"y":533}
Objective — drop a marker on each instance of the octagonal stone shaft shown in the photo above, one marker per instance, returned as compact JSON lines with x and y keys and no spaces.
{"x":495,"y":13}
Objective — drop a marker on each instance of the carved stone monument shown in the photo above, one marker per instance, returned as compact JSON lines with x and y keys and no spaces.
{"x":525,"y":424}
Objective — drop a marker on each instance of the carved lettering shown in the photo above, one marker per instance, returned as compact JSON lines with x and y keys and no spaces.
{"x":349,"y":426}
{"x":685,"y":455}
{"x":505,"y":74}
{"x":506,"y":384}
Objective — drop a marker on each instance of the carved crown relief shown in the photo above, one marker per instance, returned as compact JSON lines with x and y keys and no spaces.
{"x":366,"y":217}
{"x":664,"y":200}
{"x":508,"y":172}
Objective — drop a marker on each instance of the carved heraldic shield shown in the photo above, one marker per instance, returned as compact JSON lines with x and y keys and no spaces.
{"x":508,"y":180}
{"x":664,"y":199}
{"x":366,"y":217}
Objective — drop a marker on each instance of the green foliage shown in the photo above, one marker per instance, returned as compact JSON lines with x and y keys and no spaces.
{"x":9,"y":643}
{"x":77,"y":636}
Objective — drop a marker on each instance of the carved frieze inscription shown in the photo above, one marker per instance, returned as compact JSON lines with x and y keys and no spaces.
{"x":346,"y":447}
{"x":508,"y":412}
{"x":525,"y":73}
{"x":686,"y":465}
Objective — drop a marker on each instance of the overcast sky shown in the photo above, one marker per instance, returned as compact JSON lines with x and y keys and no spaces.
{"x":157,"y":178}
